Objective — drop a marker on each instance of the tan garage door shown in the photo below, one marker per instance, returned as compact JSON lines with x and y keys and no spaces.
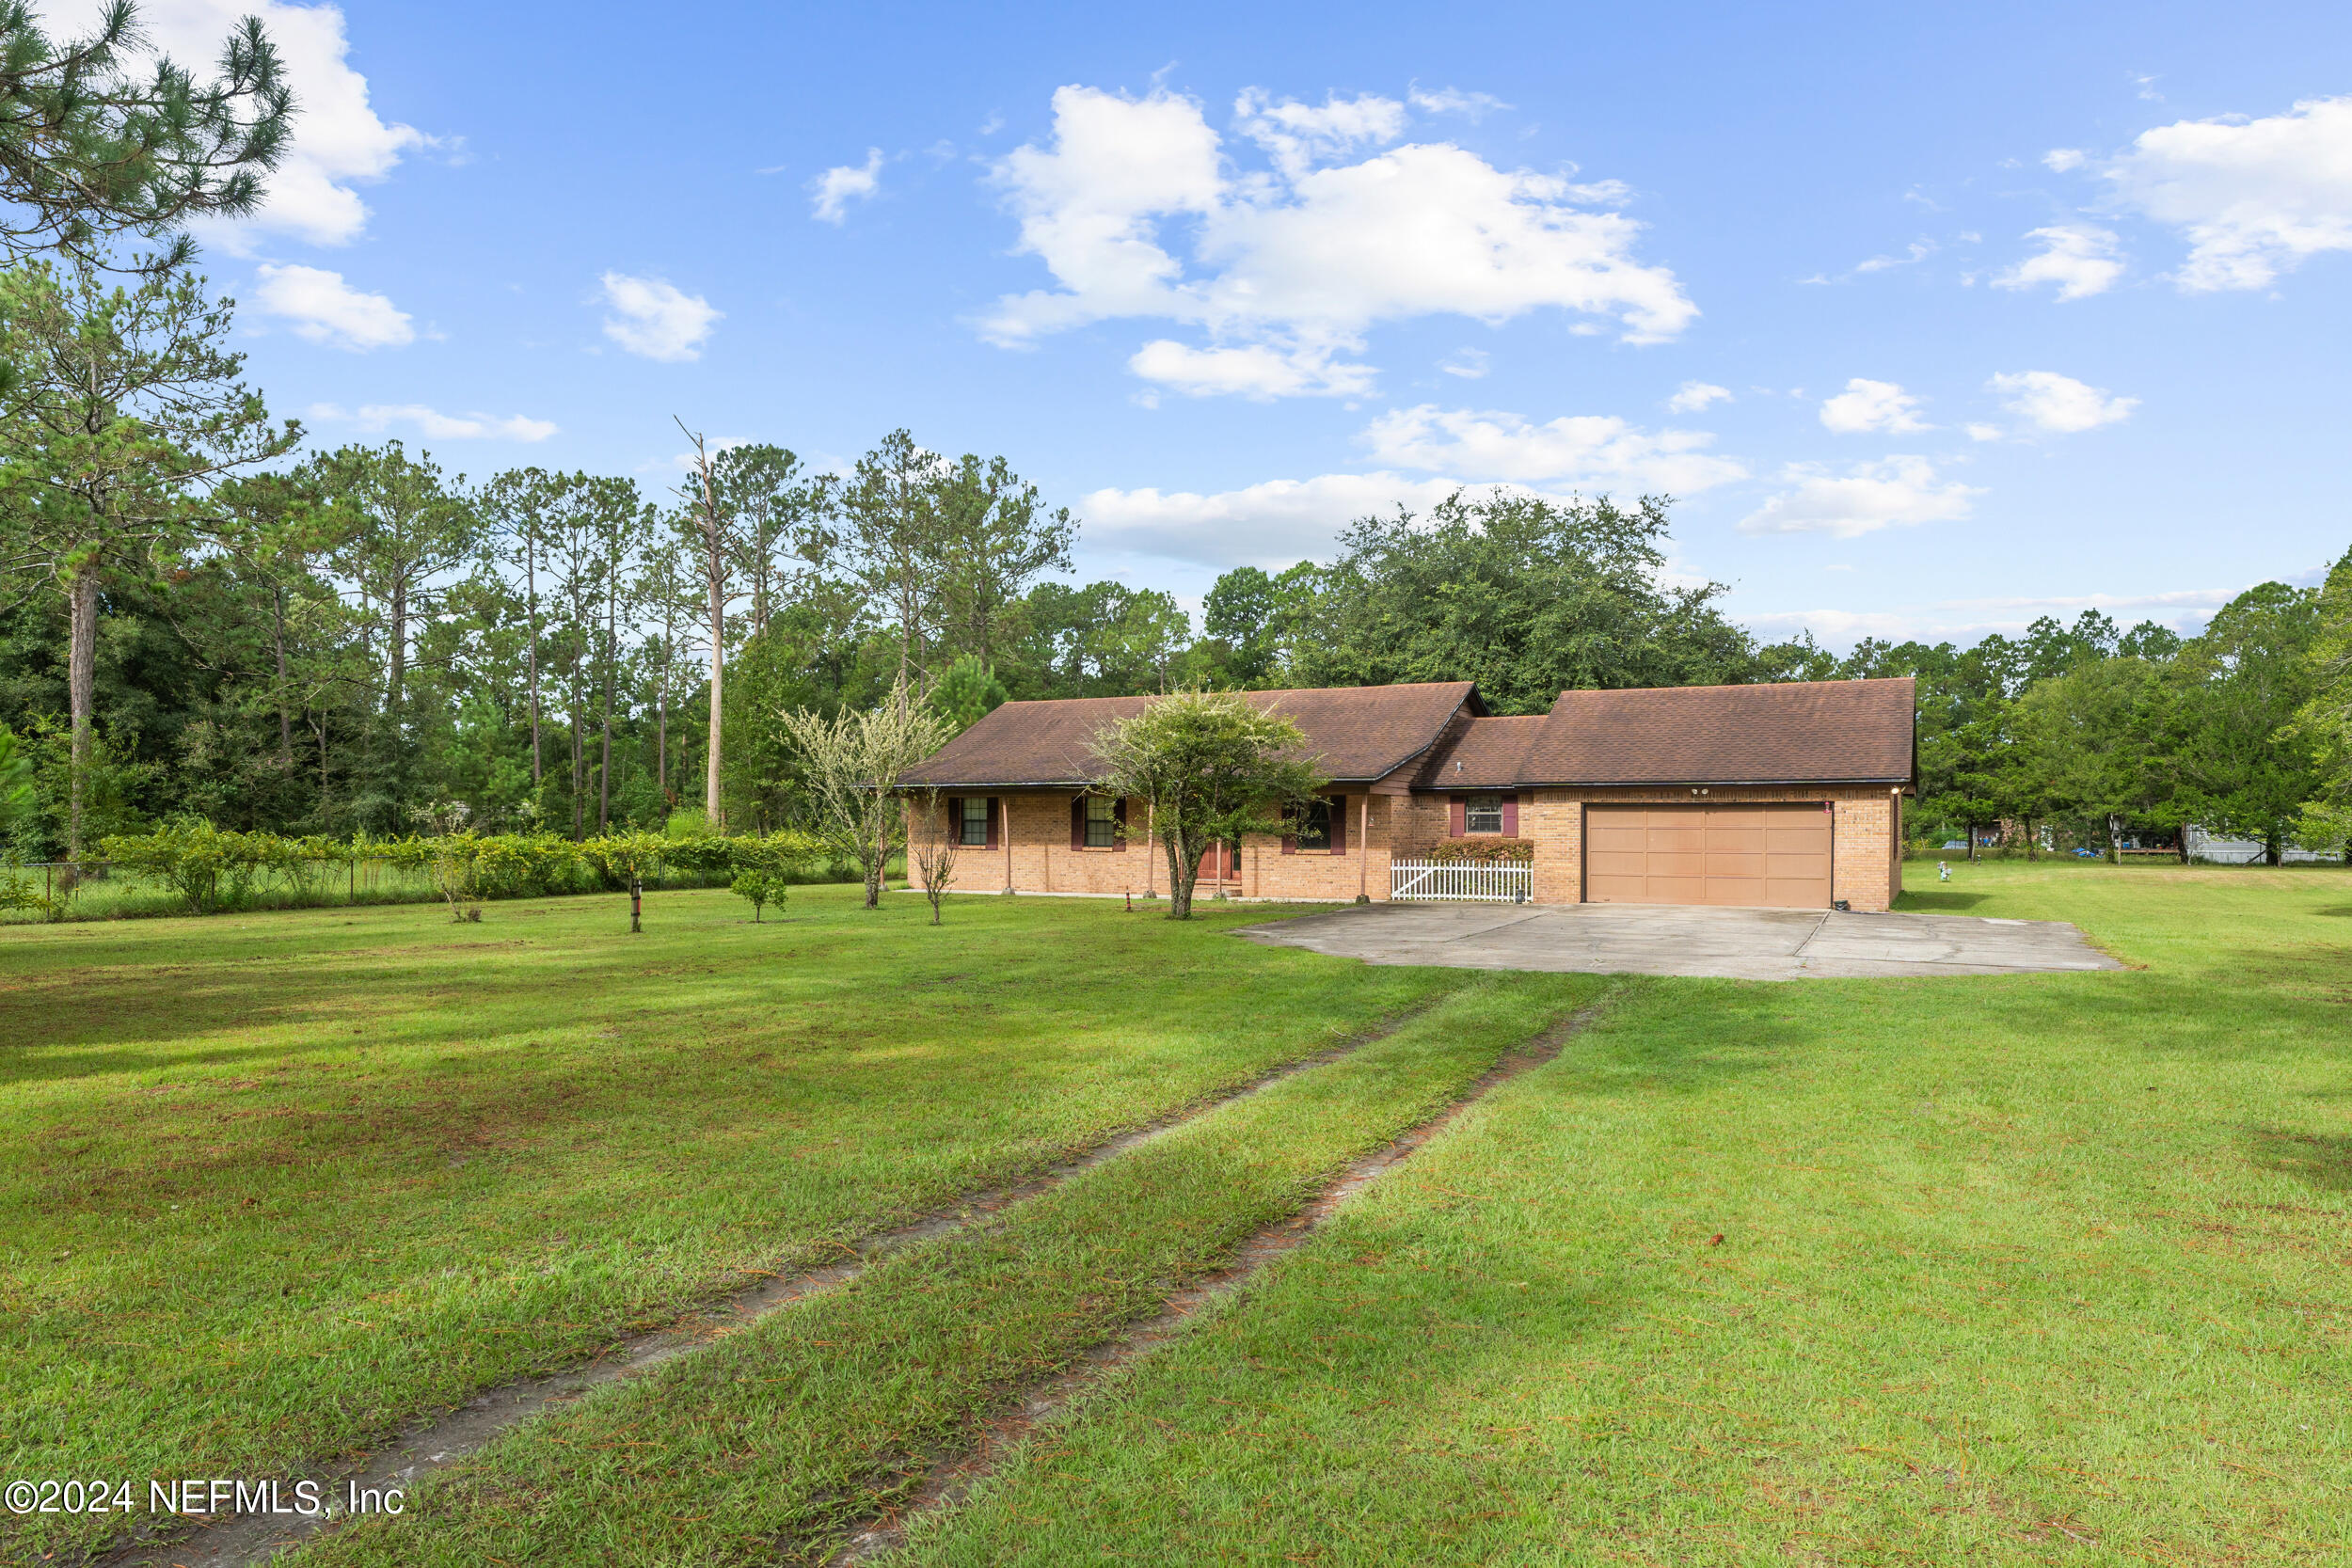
{"x":1777,"y":856}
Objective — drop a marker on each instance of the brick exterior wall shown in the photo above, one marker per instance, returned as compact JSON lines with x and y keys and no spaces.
{"x":1041,"y":860}
{"x":1866,"y":845}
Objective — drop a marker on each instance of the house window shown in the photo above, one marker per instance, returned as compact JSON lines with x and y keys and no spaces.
{"x":1315,"y":826}
{"x":974,"y":824}
{"x":1482,"y":813}
{"x":1102,"y":822}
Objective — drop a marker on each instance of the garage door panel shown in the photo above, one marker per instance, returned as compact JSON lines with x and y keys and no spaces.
{"x":1777,"y":856}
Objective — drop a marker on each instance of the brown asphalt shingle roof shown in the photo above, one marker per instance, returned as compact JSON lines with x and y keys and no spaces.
{"x":1796,"y":731}
{"x":1479,"y":754}
{"x":1359,"y":734}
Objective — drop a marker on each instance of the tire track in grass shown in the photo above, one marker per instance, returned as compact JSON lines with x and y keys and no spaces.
{"x":954,"y":1476}
{"x":434,"y":1444}
{"x":782,"y":1440}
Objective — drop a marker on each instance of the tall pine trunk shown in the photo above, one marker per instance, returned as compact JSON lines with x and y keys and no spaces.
{"x":285,"y":717}
{"x":398,"y":676}
{"x":81,"y":696}
{"x":718,"y":631}
{"x":604,"y":764}
{"x":579,"y":758}
{"x":531,"y":578}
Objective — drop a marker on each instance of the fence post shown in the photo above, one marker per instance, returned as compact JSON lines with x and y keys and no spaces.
{"x":636,"y":902}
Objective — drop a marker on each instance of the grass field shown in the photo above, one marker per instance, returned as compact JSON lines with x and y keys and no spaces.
{"x":271,"y":1183}
{"x":2010,"y":1270}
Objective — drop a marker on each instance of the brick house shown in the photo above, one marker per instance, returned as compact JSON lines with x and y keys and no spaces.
{"x":1787,"y":795}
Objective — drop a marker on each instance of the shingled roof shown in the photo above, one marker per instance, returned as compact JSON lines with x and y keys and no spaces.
{"x":1358,"y":733}
{"x":1795,"y":732}
{"x":1479,"y":754}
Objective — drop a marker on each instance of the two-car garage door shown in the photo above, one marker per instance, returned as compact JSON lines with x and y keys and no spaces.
{"x":1756,"y":855}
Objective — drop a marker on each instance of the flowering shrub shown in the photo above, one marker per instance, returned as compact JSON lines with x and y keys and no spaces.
{"x":1520,"y":850}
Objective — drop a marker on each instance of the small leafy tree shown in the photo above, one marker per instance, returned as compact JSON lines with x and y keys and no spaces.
{"x":853,"y":763}
{"x":626,"y":858}
{"x":931,"y":845}
{"x":760,"y":885}
{"x":760,"y":866}
{"x":1212,"y":767}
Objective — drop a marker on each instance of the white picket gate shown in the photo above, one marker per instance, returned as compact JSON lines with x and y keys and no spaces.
{"x":1491,"y":881}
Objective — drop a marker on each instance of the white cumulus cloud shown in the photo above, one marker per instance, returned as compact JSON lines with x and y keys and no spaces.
{"x":431,"y":423}
{"x":1274,"y":524}
{"x":2080,"y":259}
{"x":656,"y":319}
{"x":324,"y":309}
{"x":1137,"y":214}
{"x":1258,"y":370}
{"x":1692,"y":396}
{"x":1867,"y":406}
{"x":340,"y":141}
{"x":830,"y":193}
{"x":1449,"y":100}
{"x":1596,"y":451}
{"x":1895,"y":491}
{"x":2255,"y":198}
{"x":1299,"y":135}
{"x":2061,"y":403}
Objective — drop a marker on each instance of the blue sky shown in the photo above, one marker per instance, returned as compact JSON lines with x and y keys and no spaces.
{"x":1933,"y":319}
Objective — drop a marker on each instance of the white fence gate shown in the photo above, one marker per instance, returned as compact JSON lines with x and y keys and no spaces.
{"x":1492,"y":882}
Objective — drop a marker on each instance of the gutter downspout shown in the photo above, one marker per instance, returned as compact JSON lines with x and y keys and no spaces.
{"x":1149,"y":810}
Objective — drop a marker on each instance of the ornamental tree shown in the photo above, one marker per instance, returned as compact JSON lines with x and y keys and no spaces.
{"x":852,"y":763}
{"x":1212,"y":766}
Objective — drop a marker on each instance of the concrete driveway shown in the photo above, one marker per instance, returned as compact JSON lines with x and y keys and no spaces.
{"x":1659,"y":938}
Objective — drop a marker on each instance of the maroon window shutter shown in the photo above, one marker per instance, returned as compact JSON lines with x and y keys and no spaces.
{"x":1077,"y":822}
{"x":955,"y":820}
{"x":1118,"y":815}
{"x":1510,"y":816}
{"x":1290,"y":842}
{"x":993,"y":806}
{"x":1339,"y":824}
{"x":1455,"y":806}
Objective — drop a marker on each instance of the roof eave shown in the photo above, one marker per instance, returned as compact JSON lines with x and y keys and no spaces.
{"x":1677,"y":783}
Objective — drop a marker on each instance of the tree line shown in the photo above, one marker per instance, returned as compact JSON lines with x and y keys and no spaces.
{"x":203,"y":616}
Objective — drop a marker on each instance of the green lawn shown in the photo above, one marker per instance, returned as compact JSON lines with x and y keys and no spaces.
{"x":272,"y":1183}
{"x":2010,"y":1271}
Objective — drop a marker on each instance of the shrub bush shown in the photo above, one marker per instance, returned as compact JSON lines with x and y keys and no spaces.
{"x":1512,"y":850}
{"x":212,"y":870}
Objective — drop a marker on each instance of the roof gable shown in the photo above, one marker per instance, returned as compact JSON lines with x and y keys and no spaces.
{"x":1479,"y":754}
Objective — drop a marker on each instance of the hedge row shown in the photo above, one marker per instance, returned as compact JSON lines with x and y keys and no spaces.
{"x":214,"y":870}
